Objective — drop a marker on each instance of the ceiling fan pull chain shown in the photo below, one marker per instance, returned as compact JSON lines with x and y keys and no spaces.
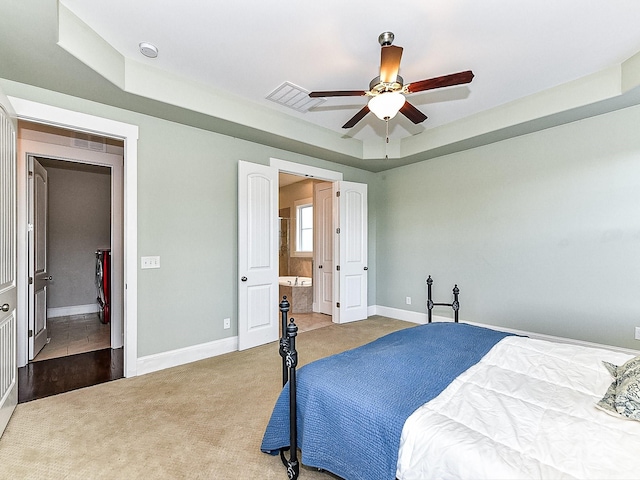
{"x":386,"y":155}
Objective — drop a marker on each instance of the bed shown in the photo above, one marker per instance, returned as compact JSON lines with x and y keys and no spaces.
{"x":452,"y":400}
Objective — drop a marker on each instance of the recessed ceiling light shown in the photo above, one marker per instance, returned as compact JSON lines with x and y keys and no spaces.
{"x":148,"y":50}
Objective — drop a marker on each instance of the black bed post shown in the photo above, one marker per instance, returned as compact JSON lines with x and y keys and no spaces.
{"x":284,"y":341}
{"x":293,"y":467}
{"x":429,"y":301}
{"x":455,"y":305}
{"x":289,"y":363}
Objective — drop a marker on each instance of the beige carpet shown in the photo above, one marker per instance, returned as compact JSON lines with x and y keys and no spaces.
{"x":201,"y":420}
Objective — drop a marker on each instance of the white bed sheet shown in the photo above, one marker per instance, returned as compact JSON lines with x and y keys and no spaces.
{"x":526,"y":410}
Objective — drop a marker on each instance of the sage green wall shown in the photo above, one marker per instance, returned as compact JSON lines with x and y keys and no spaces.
{"x":187,"y":214}
{"x":541,"y":232}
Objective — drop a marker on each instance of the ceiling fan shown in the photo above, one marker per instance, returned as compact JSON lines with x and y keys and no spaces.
{"x":387,"y":90}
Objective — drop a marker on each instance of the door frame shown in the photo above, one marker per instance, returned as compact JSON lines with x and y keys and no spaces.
{"x":284,"y":166}
{"x":114,"y":162}
{"x":72,"y":120}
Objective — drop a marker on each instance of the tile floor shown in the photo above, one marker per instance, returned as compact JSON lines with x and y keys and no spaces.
{"x":75,"y":334}
{"x":309,"y":321}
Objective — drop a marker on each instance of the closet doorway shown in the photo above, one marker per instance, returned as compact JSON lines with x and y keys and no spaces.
{"x":78,"y":226}
{"x":75,"y":219}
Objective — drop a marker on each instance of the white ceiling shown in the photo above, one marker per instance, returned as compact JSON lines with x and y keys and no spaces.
{"x":250,"y":47}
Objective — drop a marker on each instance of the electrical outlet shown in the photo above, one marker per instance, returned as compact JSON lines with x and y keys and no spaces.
{"x":408,"y":300}
{"x":150,"y":262}
{"x":637,"y":333}
{"x":227,"y":323}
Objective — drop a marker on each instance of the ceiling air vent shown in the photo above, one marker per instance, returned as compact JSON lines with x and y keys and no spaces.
{"x":89,"y":142}
{"x":295,"y":97}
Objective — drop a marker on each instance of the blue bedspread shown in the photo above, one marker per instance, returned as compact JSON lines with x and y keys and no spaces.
{"x":352,"y":406}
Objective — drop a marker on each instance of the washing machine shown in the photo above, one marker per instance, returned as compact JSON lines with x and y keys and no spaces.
{"x":103,"y":283}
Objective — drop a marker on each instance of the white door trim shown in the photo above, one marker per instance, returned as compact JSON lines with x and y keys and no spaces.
{"x":114,"y":162}
{"x":46,"y":114}
{"x":305,"y":170}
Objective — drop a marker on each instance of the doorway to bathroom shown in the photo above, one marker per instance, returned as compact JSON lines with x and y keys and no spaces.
{"x":305,"y":249}
{"x":258,"y":248}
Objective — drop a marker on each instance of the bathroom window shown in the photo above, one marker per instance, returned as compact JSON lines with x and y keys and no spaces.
{"x":304,"y":227}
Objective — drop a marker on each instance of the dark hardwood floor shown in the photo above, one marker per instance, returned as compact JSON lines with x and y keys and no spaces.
{"x":58,"y":375}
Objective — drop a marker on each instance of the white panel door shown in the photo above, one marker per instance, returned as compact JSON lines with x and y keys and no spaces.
{"x":323,"y":248}
{"x":8,"y":295}
{"x":38,"y":188}
{"x":351,"y":206}
{"x":257,"y":255}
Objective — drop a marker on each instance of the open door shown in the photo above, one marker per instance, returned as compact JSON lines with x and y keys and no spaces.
{"x":257,"y":255}
{"x":323,"y":248}
{"x":350,"y":251}
{"x":38,"y":275}
{"x":8,"y":241}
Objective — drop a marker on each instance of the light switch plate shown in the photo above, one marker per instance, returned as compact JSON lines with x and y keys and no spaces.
{"x":149,"y":262}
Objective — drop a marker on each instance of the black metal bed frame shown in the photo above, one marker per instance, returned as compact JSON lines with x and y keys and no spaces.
{"x":455,"y":304}
{"x":289,"y":356}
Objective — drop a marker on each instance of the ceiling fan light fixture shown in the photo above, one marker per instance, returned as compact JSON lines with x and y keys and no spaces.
{"x":386,"y":105}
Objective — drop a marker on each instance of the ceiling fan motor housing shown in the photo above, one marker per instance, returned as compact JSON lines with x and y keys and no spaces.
{"x":376,"y":86}
{"x":386,"y":38}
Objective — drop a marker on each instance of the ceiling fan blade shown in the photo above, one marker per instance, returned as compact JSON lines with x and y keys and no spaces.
{"x":338,"y":93}
{"x":357,"y":117}
{"x":390,"y":56}
{"x":439,"y":82}
{"x":412,"y":113}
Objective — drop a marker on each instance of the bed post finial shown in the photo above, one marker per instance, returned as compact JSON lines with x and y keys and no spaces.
{"x":284,"y":304}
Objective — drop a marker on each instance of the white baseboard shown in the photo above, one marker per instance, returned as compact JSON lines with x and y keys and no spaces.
{"x":421,"y":318}
{"x":72,"y":310}
{"x":406,"y":315}
{"x":173,"y":358}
